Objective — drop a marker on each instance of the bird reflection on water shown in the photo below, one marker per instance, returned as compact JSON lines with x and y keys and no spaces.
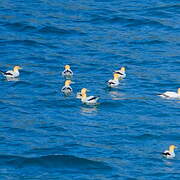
{"x":89,"y":110}
{"x":116,"y":95}
{"x":11,"y":79}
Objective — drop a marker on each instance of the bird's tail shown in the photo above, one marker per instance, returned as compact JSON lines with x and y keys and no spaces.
{"x":2,"y":72}
{"x":97,"y":97}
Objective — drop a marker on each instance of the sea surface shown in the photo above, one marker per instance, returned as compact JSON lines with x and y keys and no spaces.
{"x":45,"y":135}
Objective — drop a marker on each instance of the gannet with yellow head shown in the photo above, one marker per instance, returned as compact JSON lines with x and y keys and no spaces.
{"x":121,"y":72}
{"x":67,"y":71}
{"x":170,"y":153}
{"x":90,"y":100}
{"x":115,"y":81}
{"x":170,"y":94}
{"x":12,"y":73}
{"x":66,"y":89}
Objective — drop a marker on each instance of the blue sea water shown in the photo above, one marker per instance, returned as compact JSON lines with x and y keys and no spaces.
{"x":45,"y":135}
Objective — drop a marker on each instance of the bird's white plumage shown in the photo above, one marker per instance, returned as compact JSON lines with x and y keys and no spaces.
{"x":67,"y":73}
{"x":121,"y":73}
{"x":169,"y":154}
{"x":90,"y":100}
{"x":169,"y":94}
{"x":78,"y":95}
{"x":113,"y":82}
{"x":12,"y":73}
{"x":66,"y":90}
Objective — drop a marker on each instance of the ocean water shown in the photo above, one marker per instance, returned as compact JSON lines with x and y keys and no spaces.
{"x":45,"y":135}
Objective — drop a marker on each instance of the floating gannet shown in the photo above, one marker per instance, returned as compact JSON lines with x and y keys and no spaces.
{"x":12,"y":73}
{"x":66,"y":89}
{"x":170,"y":153}
{"x":114,"y":82}
{"x":170,"y":94}
{"x":90,"y":100}
{"x":121,"y":72}
{"x":67,"y":72}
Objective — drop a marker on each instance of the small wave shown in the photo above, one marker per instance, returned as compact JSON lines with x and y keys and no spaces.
{"x":124,"y":20}
{"x":32,"y":43}
{"x":167,"y":7}
{"x":23,"y":83}
{"x":110,"y":20}
{"x":143,"y":22}
{"x":157,"y":14}
{"x":153,"y":42}
{"x":20,"y":26}
{"x":146,"y":136}
{"x":57,"y":31}
{"x":53,"y":128}
{"x":127,"y":22}
{"x":51,"y":161}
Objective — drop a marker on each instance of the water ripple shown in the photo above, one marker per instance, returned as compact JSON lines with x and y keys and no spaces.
{"x":45,"y":135}
{"x":49,"y":161}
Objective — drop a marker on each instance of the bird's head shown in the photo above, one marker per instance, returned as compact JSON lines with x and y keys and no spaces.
{"x":172,"y":147}
{"x":68,"y":82}
{"x":116,"y":76}
{"x":67,"y":67}
{"x":178,"y":91}
{"x":16,"y":68}
{"x":83,"y":91}
{"x":123,"y":69}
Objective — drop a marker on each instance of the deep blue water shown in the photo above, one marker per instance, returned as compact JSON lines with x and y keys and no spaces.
{"x":45,"y":135}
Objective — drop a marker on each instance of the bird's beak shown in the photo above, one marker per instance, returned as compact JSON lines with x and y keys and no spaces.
{"x":72,"y":82}
{"x":88,"y":90}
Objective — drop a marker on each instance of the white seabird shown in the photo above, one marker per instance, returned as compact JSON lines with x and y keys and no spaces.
{"x":114,"y":82}
{"x":67,"y":71}
{"x":170,"y":153}
{"x":90,"y":100}
{"x":121,"y":72}
{"x":12,"y":73}
{"x":170,"y":94}
{"x":66,"y":89}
